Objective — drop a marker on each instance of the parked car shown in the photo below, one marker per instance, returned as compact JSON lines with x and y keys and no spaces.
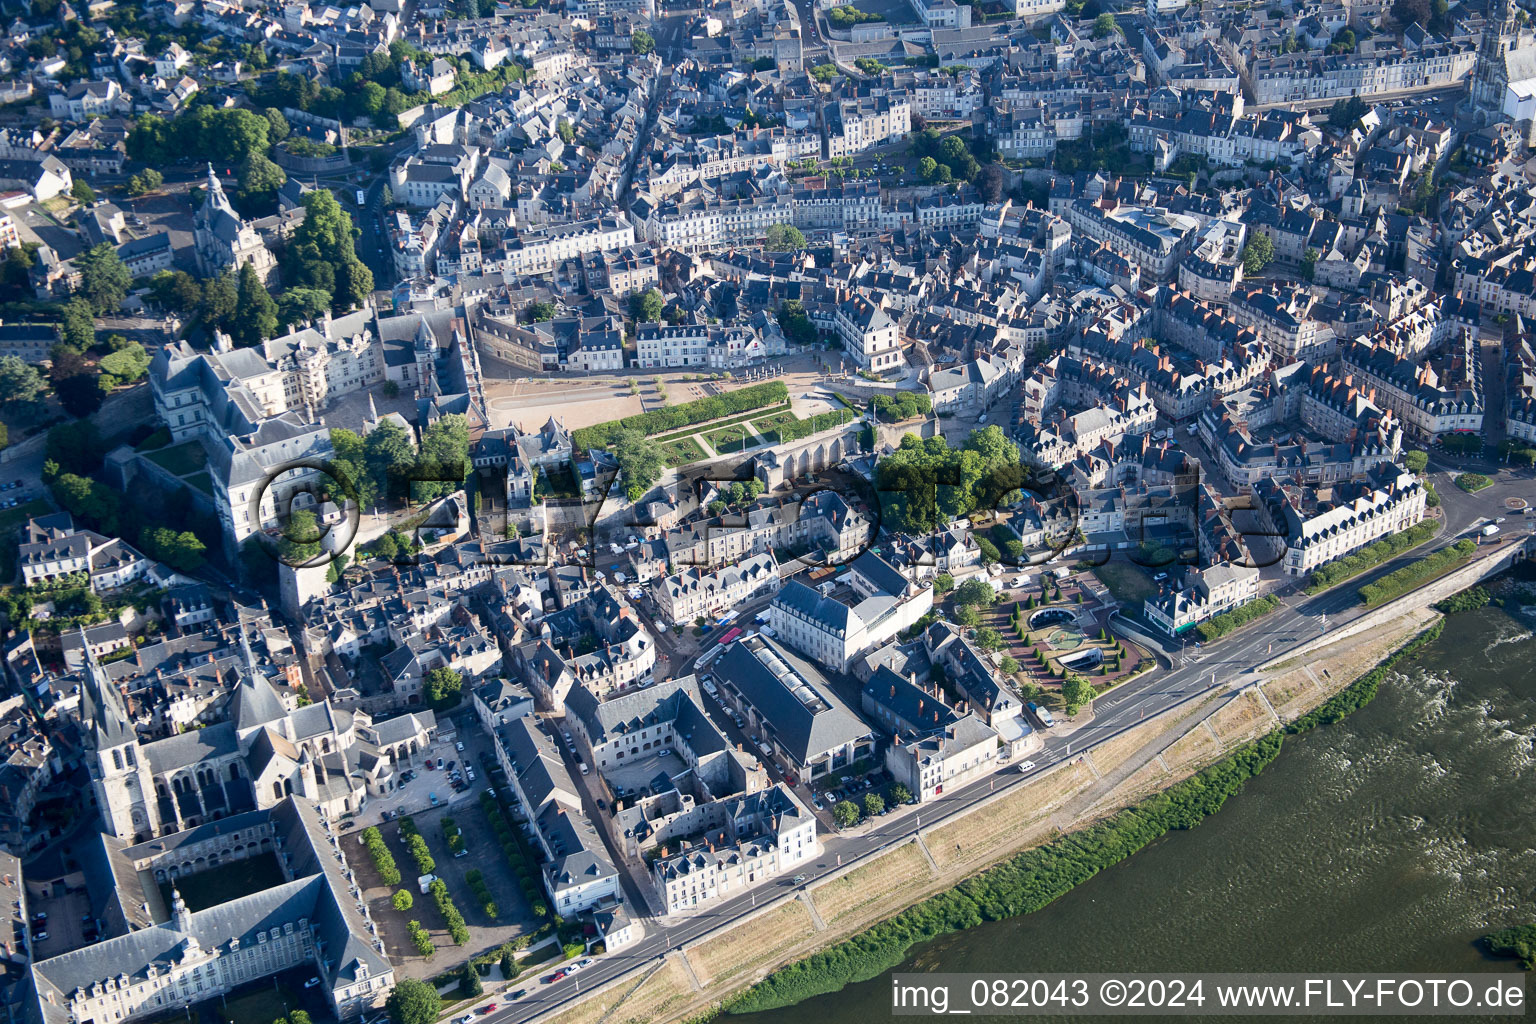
{"x":312,"y":982}
{"x":665,"y":752}
{"x":433,"y":797}
{"x":518,"y":994}
{"x":488,"y":1008}
{"x":459,"y":746}
{"x":439,"y":762}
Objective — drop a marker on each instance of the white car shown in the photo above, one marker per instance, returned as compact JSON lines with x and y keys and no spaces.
{"x":1026,"y":766}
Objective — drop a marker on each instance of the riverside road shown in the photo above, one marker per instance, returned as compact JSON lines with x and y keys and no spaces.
{"x":1217,"y":669}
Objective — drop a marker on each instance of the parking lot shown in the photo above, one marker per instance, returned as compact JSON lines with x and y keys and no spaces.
{"x":513,"y":916}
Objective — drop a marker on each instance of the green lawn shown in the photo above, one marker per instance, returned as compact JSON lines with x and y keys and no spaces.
{"x":183,"y":460}
{"x":263,"y":1004}
{"x":744,"y":417}
{"x":1127,"y":581}
{"x":681,"y":451}
{"x":769,"y":426}
{"x":231,"y":881}
{"x":730,"y":439}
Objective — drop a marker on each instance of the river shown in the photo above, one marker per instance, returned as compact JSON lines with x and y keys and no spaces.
{"x":1388,"y":842}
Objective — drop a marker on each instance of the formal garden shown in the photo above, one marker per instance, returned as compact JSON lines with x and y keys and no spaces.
{"x":1045,"y":633}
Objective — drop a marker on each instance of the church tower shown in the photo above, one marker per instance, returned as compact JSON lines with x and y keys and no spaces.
{"x":119,"y":777}
{"x":222,"y":239}
{"x":1490,"y":75}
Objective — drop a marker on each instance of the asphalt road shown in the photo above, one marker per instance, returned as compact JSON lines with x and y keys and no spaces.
{"x":1219,"y":668}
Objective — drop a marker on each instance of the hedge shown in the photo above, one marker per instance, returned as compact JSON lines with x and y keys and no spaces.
{"x":1222,"y":624}
{"x":671,"y":417}
{"x":797,"y":429}
{"x":383,"y":860}
{"x":1371,"y":556}
{"x":1396,"y":584}
{"x":1034,"y":878}
{"x":421,"y":937}
{"x":1473,"y":482}
{"x":453,"y":835}
{"x":518,"y":857}
{"x":476,"y":883}
{"x":451,"y":916}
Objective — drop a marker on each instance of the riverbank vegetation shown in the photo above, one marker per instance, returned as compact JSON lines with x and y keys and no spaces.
{"x":1518,"y":942}
{"x":1469,"y":600}
{"x":1034,"y":878}
{"x":1363,"y":690}
{"x":1023,"y":884}
{"x":1371,"y":556}
{"x":1416,"y":574}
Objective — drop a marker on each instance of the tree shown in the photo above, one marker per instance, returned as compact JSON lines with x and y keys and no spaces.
{"x":443,"y":687}
{"x":21,"y":384}
{"x":260,"y":179}
{"x":1415,"y":460}
{"x":74,"y":382}
{"x":1075,"y":692}
{"x":784,"y":238}
{"x":300,"y":539}
{"x":176,"y":289}
{"x":927,"y":168}
{"x":845,"y":813}
{"x":564,"y":129}
{"x":402,"y":900}
{"x":900,"y":794}
{"x":321,"y":254}
{"x":104,"y":278}
{"x":1104,"y":25}
{"x":988,"y":639}
{"x":444,"y":461}
{"x":182,"y":551}
{"x":642,"y":42}
{"x":539,"y":312}
{"x":302,"y":305}
{"x":646,"y":306}
{"x":640,"y":462}
{"x":82,"y":191}
{"x":387,"y":456}
{"x":967,"y":615}
{"x":1009,"y":664}
{"x":874,"y":804}
{"x":990,"y":181}
{"x":255,"y":310}
{"x":943,"y":583}
{"x":413,"y":1002}
{"x":220,"y":296}
{"x":76,"y":447}
{"x":1309,"y":263}
{"x":147,"y":180}
{"x":1258,"y":253}
{"x":124,"y":366}
{"x":975,"y":591}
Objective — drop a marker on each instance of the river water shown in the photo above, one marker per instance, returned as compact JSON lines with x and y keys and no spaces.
{"x":1388,"y":842}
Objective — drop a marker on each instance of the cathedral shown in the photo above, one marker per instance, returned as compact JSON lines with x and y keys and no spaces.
{"x":222,"y":239}
{"x":1503,"y":56}
{"x":260,"y":754}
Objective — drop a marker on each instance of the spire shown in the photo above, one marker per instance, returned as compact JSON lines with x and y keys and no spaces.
{"x":108,"y":716}
{"x":180,"y":916}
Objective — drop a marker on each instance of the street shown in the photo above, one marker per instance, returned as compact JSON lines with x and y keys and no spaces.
{"x":1218,"y":669}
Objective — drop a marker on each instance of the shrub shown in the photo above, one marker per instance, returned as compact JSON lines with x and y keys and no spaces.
{"x":1371,"y":556}
{"x":1473,"y":482}
{"x":1396,"y":584}
{"x":1226,"y":622}
{"x":403,"y":900}
{"x":574,"y":949}
{"x":1020,"y":885}
{"x":476,"y":882}
{"x":420,"y":938}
